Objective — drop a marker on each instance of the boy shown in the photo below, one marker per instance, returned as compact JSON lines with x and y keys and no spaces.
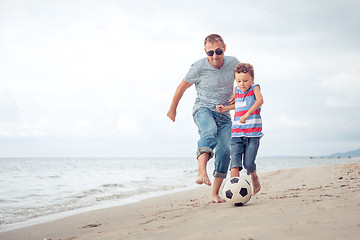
{"x":247,"y":124}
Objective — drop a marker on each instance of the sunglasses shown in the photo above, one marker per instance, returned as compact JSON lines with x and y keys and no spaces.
{"x":217,"y":51}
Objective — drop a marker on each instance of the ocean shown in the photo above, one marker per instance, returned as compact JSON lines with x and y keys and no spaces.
{"x":35,"y":190}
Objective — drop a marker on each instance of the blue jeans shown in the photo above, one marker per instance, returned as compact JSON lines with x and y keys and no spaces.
{"x":244,"y":148}
{"x":215,"y":131}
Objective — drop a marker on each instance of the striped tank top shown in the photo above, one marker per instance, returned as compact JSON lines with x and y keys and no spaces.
{"x":253,"y":125}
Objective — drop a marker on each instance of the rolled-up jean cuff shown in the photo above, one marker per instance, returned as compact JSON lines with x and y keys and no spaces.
{"x":205,"y":149}
{"x":250,"y":171}
{"x":219,"y":175}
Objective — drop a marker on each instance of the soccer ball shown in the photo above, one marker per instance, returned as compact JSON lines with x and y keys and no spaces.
{"x":237,"y":191}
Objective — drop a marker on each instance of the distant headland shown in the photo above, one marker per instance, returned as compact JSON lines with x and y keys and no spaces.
{"x":354,"y":153}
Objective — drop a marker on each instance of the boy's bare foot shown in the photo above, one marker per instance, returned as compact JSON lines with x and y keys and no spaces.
{"x":203,"y":180}
{"x":217,"y":199}
{"x":256,"y":185}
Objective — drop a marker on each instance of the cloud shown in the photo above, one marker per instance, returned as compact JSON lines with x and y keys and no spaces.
{"x":127,"y":125}
{"x":291,"y":122}
{"x":344,"y":88}
{"x":337,"y":102}
{"x":81,"y":71}
{"x":24,"y":129}
{"x":9,"y":108}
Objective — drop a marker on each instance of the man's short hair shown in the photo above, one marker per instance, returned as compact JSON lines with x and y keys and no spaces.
{"x":214,"y":38}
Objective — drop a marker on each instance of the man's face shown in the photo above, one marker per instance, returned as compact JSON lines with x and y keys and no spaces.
{"x":215,"y":60}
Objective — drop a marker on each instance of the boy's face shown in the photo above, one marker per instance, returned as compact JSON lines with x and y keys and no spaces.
{"x":244,"y":81}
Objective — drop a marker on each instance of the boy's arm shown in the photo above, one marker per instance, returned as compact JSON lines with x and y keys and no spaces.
{"x":231,"y":106}
{"x":176,"y":99}
{"x":257,"y":104}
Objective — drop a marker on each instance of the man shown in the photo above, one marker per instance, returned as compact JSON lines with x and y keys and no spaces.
{"x":214,"y":80}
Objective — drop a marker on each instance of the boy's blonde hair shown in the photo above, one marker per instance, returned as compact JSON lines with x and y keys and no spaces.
{"x":244,"y":68}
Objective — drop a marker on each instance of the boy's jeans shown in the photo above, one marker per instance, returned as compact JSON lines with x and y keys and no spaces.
{"x":243,"y":152}
{"x":215,"y":131}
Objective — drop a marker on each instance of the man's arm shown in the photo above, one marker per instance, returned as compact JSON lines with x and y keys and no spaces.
{"x":176,"y":99}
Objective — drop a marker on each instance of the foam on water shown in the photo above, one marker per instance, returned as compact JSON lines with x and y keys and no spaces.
{"x":32,"y":188}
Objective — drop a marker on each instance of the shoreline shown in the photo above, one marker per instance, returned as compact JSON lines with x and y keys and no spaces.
{"x":265,"y":165}
{"x":299,"y":203}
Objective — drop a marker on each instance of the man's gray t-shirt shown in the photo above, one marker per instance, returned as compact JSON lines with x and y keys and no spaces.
{"x":213,"y":86}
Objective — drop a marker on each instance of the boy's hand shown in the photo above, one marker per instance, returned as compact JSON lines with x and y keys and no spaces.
{"x":220,"y":108}
{"x":243,"y":119}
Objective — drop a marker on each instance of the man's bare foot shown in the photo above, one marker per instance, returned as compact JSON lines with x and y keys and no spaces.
{"x":256,"y":185}
{"x":217,"y":199}
{"x":203,"y":180}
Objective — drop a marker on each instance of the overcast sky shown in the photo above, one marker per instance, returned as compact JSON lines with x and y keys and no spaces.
{"x":96,"y":78}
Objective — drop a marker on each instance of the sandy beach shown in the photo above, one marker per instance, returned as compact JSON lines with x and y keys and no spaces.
{"x":304,"y":203}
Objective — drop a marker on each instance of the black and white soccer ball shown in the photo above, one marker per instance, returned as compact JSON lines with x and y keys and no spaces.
{"x":237,"y":191}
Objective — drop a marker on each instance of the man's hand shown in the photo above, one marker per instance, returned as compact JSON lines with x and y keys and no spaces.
{"x":171,"y":114}
{"x":177,"y":96}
